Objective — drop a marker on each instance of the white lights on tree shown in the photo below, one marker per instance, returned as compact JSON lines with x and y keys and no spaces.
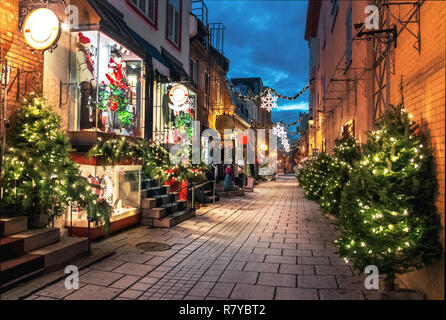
{"x":41,"y":29}
{"x":269,"y":101}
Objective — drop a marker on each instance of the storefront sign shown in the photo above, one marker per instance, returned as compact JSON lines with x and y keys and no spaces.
{"x":41,"y":29}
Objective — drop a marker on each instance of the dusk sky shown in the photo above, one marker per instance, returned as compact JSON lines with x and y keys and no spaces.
{"x":266,"y":39}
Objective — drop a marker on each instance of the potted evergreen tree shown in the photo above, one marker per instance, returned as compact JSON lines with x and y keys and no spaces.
{"x":387,"y":216}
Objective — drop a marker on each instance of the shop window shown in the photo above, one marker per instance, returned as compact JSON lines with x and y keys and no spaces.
{"x":119,"y":186}
{"x":111,"y":85}
{"x":147,"y":8}
{"x":348,"y":37}
{"x":174,"y":21}
{"x":164,"y":130}
{"x":348,"y":129}
{"x":193,"y":65}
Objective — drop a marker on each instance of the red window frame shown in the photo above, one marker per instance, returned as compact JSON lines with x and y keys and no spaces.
{"x":154,"y":24}
{"x":177,"y":46}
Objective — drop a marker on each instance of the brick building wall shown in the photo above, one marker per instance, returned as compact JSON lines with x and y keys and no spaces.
{"x":26,"y":68}
{"x":423,"y":78}
{"x":424,"y":86}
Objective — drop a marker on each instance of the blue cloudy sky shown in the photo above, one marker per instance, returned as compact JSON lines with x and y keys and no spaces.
{"x":266,"y":39}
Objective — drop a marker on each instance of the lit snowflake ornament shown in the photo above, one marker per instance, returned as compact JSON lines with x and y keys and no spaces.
{"x":269,"y":101}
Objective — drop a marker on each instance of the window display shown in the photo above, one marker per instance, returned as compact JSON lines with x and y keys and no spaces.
{"x":110,"y":80}
{"x":169,"y":115}
{"x":119,"y":186}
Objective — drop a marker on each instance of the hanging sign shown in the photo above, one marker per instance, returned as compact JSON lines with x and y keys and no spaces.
{"x":179,"y":96}
{"x":41,"y":29}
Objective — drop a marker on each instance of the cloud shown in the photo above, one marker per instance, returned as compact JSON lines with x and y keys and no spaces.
{"x":296,"y":106}
{"x":266,"y":39}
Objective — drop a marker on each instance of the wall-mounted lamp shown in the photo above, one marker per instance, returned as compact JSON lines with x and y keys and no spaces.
{"x":41,"y":29}
{"x":311,"y":121}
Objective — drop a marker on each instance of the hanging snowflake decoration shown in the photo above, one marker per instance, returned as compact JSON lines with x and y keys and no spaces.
{"x":279,"y":131}
{"x":269,"y":101}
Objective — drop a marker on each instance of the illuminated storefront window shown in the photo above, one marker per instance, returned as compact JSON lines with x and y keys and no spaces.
{"x":110,"y":83}
{"x":165,"y":112}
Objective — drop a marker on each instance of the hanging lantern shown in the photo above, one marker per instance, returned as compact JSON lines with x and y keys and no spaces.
{"x":41,"y":29}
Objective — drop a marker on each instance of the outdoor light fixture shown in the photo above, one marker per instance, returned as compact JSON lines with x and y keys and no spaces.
{"x":41,"y":29}
{"x":178,"y":94}
{"x":311,"y":121}
{"x":384,"y":35}
{"x":264,"y":147}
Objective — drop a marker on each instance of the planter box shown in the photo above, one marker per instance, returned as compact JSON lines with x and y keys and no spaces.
{"x":117,"y":223}
{"x":39,"y":221}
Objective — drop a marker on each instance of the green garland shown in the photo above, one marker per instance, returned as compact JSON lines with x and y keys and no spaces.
{"x":184,"y":122}
{"x":115,"y":98}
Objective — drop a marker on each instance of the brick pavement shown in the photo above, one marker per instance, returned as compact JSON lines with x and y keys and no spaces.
{"x":270,"y":244}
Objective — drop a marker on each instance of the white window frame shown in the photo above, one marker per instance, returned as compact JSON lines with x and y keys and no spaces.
{"x":145,"y":11}
{"x":173,"y":23}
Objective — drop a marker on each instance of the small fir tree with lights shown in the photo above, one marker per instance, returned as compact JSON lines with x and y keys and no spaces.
{"x":40,"y":177}
{"x":388,"y":216}
{"x":312,"y":176}
{"x":345,"y":153}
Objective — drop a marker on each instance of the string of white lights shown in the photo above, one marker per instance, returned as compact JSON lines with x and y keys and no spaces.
{"x":266,"y":92}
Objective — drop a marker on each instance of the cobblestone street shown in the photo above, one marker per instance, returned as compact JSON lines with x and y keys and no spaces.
{"x":270,"y":244}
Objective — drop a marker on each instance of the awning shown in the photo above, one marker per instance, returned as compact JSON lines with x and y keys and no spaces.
{"x":112,"y":23}
{"x":177,"y":73}
{"x":158,"y":61}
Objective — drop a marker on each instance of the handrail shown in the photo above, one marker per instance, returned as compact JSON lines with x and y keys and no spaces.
{"x":205,"y":183}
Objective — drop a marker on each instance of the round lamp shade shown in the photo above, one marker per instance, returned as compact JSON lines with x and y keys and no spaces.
{"x":41,"y":29}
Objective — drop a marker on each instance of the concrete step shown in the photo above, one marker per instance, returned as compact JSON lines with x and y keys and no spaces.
{"x":154,"y":213}
{"x":149,"y":203}
{"x":234,"y":193}
{"x":174,"y":219}
{"x":148,"y":183}
{"x":11,"y":248}
{"x":38,"y":238}
{"x":211,"y":198}
{"x":154,"y":191}
{"x":20,"y":268}
{"x":63,"y":251}
{"x":10,"y":226}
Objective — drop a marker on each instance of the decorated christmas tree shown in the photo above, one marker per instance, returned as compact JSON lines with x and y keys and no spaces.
{"x":40,"y":177}
{"x":388,"y":216}
{"x":345,"y":153}
{"x":312,"y":176}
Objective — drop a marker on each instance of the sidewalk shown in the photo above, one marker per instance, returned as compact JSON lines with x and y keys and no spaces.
{"x":270,"y":244}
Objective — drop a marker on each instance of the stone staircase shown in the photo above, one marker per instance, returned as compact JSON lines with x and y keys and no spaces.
{"x":205,"y":195}
{"x":237,"y":191}
{"x":160,"y":207}
{"x":26,"y":253}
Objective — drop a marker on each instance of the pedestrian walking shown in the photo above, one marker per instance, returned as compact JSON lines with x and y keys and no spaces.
{"x":229,"y":173}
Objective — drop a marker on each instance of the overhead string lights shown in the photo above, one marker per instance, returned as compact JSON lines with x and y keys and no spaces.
{"x":267,"y":91}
